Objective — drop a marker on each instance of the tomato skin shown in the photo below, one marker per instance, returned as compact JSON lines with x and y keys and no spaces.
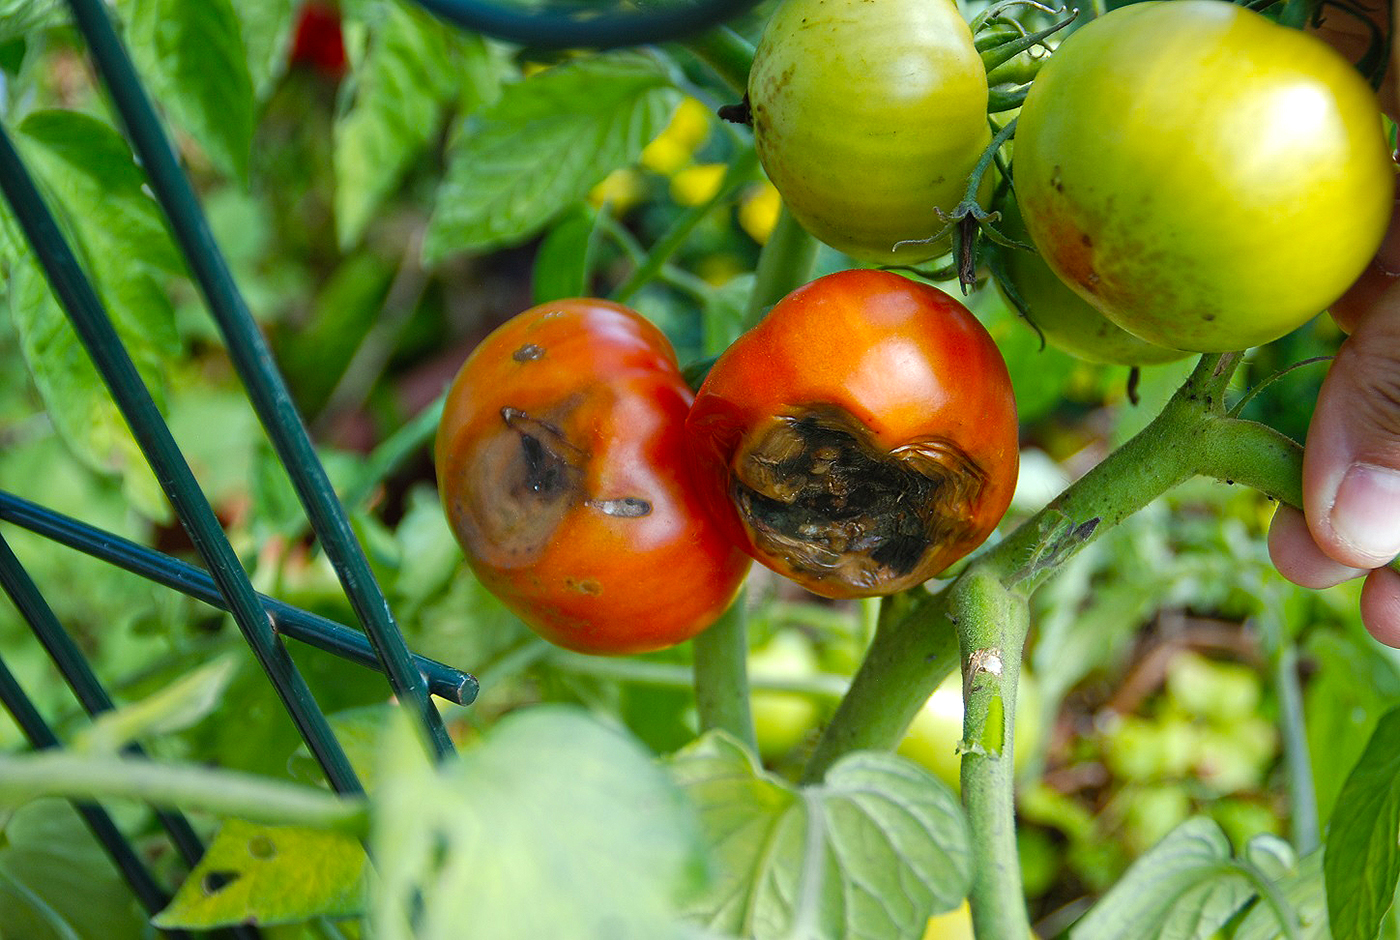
{"x":861,"y":438}
{"x":1208,"y":179}
{"x":1064,"y":318}
{"x":317,"y":40}
{"x":868,"y":118}
{"x":562,"y":466}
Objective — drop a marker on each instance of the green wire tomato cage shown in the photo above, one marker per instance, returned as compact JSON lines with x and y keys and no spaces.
{"x":223,"y":583}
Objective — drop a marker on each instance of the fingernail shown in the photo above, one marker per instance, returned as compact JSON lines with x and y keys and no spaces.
{"x":1366,"y":514}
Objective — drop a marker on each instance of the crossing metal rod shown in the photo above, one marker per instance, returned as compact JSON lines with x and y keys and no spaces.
{"x":94,"y":698}
{"x":253,"y":361}
{"x":74,"y":668}
{"x":152,"y":897}
{"x":444,"y":681}
{"x":102,"y":343}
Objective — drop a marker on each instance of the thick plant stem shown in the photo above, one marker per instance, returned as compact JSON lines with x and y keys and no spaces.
{"x":721,"y":678}
{"x":914,"y":649}
{"x":992,"y":624}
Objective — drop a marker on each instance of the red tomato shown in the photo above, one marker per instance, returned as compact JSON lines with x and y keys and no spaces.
{"x":861,"y":438}
{"x":562,"y":466}
{"x":317,"y":41}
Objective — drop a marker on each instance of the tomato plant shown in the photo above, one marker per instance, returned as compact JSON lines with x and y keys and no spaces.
{"x":868,"y":119}
{"x":1061,"y":316}
{"x":1205,"y":177}
{"x":861,"y":438}
{"x":561,"y":463}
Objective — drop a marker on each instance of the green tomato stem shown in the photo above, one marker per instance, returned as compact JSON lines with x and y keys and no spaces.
{"x":741,"y":171}
{"x":914,"y":649}
{"x":186,"y":786}
{"x":727,"y":53}
{"x":784,"y":265}
{"x":826,"y":687}
{"x":721,"y":679}
{"x":1305,"y":830}
{"x":992,"y":623}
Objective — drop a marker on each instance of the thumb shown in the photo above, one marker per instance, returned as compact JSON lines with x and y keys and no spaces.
{"x":1351,"y":464}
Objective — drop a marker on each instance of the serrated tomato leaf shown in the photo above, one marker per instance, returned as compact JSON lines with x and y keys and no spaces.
{"x":553,"y":825}
{"x":873,"y":851}
{"x":543,"y":145}
{"x":1184,"y":887}
{"x":402,"y":88}
{"x":192,"y":57}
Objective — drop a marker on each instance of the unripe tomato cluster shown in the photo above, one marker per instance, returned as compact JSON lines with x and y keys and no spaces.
{"x":614,"y":514}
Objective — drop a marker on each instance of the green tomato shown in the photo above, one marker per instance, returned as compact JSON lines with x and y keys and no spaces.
{"x":782,"y":720}
{"x":868,"y":118}
{"x":933,"y":736}
{"x":1063,"y":317}
{"x":1206,"y":178}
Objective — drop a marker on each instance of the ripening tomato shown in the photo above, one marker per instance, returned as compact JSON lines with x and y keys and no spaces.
{"x":868,"y":118}
{"x":562,"y":466}
{"x":1060,"y":315}
{"x":1206,"y":178}
{"x":861,"y":438}
{"x":317,"y":40}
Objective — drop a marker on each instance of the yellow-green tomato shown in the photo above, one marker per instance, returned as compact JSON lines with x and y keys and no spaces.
{"x":1063,"y":317}
{"x":782,"y":720}
{"x":868,"y":116}
{"x":1206,"y":178}
{"x":933,"y":736}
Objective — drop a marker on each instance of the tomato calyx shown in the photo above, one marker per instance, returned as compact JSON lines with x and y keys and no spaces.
{"x":741,"y":113}
{"x":815,"y":490}
{"x":968,"y":219}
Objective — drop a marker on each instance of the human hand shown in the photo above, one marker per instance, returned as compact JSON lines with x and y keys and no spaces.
{"x":1350,"y":523}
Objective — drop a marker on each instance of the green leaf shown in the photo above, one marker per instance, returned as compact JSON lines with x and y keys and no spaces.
{"x":1353,"y":687}
{"x":543,"y":145}
{"x":22,"y":18}
{"x":1184,"y":887}
{"x":269,"y":875}
{"x":315,"y":354}
{"x":1362,"y":860}
{"x":553,"y":826}
{"x":57,"y":883}
{"x":176,"y":707}
{"x":95,"y":189}
{"x":564,"y":260}
{"x":873,"y":851}
{"x":87,"y":165}
{"x":401,"y":92}
{"x":360,"y":732}
{"x":192,"y":57}
{"x":266,"y":27}
{"x":1304,"y":890}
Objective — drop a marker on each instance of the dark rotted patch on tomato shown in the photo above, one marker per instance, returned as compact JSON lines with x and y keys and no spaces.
{"x":815,"y":490}
{"x":519,"y":483}
{"x":528,"y":353}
